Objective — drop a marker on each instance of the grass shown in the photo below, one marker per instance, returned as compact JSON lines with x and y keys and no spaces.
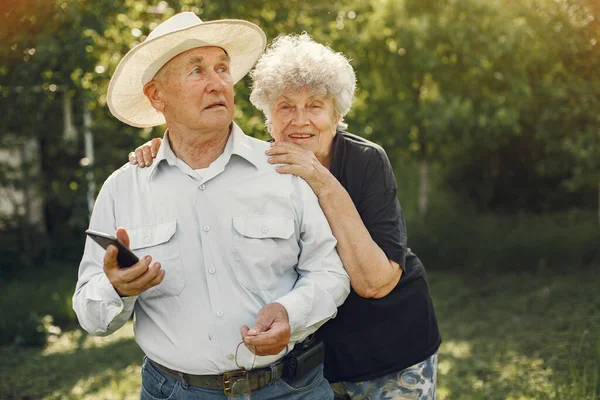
{"x":512,"y":336}
{"x":519,"y":335}
{"x":73,"y":365}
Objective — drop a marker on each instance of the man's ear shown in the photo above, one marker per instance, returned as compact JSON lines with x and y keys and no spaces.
{"x":152,"y":92}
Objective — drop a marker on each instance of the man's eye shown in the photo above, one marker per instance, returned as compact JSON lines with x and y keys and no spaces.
{"x":196,"y":70}
{"x":222,"y":69}
{"x":316,"y":106}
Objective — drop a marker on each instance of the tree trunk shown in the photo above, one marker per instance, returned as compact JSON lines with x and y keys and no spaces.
{"x":423,"y":187}
{"x":89,"y":155}
{"x":69,"y":131}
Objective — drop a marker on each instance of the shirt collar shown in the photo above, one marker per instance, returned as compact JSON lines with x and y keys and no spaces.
{"x":165,"y":153}
{"x":238,"y":143}
{"x":243,"y":146}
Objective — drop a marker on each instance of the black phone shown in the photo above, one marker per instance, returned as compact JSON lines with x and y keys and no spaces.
{"x":125,"y":258}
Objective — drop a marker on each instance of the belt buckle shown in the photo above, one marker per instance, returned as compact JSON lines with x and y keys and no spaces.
{"x":231,"y":377}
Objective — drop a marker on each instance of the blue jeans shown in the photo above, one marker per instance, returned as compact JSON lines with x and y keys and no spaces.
{"x":157,"y":385}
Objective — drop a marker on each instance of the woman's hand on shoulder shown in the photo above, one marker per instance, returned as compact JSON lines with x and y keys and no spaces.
{"x":143,"y":155}
{"x":295,"y":160}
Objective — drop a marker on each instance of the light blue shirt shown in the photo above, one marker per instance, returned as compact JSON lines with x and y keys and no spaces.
{"x":231,"y":238}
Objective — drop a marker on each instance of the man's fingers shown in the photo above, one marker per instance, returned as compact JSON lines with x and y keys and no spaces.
{"x":110,"y":258}
{"x":136,"y":270}
{"x":250,"y":348}
{"x":123,"y":237}
{"x":259,"y":327}
{"x":159,"y":278}
{"x":152,"y":277}
{"x":268,"y":350}
{"x":244,"y":331}
{"x":262,"y":339}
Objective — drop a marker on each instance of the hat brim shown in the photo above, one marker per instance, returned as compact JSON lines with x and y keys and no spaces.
{"x":243,"y":41}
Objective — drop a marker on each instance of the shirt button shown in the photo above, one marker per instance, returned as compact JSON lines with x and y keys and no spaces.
{"x":230,"y":356}
{"x":264,"y":229}
{"x":220,"y":313}
{"x":147,"y":238}
{"x":202,"y":187}
{"x":206,"y":228}
{"x":212,"y":270}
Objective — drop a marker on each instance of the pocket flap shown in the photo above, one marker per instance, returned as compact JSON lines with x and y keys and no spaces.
{"x":152,"y":235}
{"x":264,"y":226}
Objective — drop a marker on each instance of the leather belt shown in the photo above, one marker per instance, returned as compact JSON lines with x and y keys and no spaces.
{"x":257,"y":378}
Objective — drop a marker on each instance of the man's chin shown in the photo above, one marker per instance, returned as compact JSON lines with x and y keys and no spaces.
{"x":217,"y":120}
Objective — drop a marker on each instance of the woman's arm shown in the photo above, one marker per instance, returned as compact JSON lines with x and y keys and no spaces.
{"x":372,"y":274}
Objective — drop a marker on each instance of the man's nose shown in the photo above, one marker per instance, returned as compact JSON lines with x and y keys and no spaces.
{"x":215,"y":82}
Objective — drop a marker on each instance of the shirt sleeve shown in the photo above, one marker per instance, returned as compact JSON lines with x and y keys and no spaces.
{"x":323,"y":284}
{"x":99,"y":308}
{"x":380,"y":209}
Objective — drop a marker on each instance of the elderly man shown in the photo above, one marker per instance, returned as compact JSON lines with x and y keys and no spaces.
{"x":225,"y":242}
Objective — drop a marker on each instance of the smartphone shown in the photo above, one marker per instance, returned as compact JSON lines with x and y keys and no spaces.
{"x":125,"y":258}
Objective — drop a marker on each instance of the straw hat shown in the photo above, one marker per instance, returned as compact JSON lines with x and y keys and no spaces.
{"x":243,"y":41}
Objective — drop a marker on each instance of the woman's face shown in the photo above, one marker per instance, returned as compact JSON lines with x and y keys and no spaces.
{"x":299,"y":117}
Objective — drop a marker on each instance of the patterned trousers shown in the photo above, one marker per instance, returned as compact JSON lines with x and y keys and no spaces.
{"x":412,"y":383}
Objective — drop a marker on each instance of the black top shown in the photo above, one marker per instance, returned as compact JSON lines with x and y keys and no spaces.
{"x":370,"y":338}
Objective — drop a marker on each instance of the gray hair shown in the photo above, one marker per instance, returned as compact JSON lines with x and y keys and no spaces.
{"x":294,"y":61}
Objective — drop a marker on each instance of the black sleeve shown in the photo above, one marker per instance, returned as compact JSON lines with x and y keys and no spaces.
{"x":380,"y":209}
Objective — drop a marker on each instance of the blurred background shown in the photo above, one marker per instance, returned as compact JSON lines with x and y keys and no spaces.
{"x":489,"y":111}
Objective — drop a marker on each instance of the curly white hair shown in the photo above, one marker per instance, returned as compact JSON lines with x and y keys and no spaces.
{"x":294,"y":61}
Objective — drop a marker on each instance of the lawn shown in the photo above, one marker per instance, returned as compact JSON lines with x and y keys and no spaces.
{"x":507,"y":336}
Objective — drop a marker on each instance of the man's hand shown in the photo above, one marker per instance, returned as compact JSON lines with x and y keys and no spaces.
{"x":270,"y":333}
{"x":144,"y":154}
{"x":135,"y":279}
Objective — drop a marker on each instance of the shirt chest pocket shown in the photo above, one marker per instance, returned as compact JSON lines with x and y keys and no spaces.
{"x":265,"y":250}
{"x":160,"y":242}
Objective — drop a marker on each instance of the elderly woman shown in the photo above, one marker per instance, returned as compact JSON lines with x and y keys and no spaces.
{"x":384,"y":341}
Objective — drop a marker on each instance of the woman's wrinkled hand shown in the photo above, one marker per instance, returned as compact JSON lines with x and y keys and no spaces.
{"x":144,"y":154}
{"x":300,"y":162}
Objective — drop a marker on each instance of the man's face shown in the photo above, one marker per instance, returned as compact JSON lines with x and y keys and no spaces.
{"x":197,"y":89}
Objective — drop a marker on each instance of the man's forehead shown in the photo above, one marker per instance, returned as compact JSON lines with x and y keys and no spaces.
{"x":198,"y":54}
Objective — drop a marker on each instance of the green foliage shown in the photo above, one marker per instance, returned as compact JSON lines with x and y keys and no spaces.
{"x":501,"y":98}
{"x":483,"y":87}
{"x":508,"y":243}
{"x":33,"y":301}
{"x":504,"y":96}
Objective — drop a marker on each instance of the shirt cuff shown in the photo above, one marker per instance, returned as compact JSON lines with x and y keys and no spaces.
{"x":109,"y":295}
{"x":297,"y":310}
